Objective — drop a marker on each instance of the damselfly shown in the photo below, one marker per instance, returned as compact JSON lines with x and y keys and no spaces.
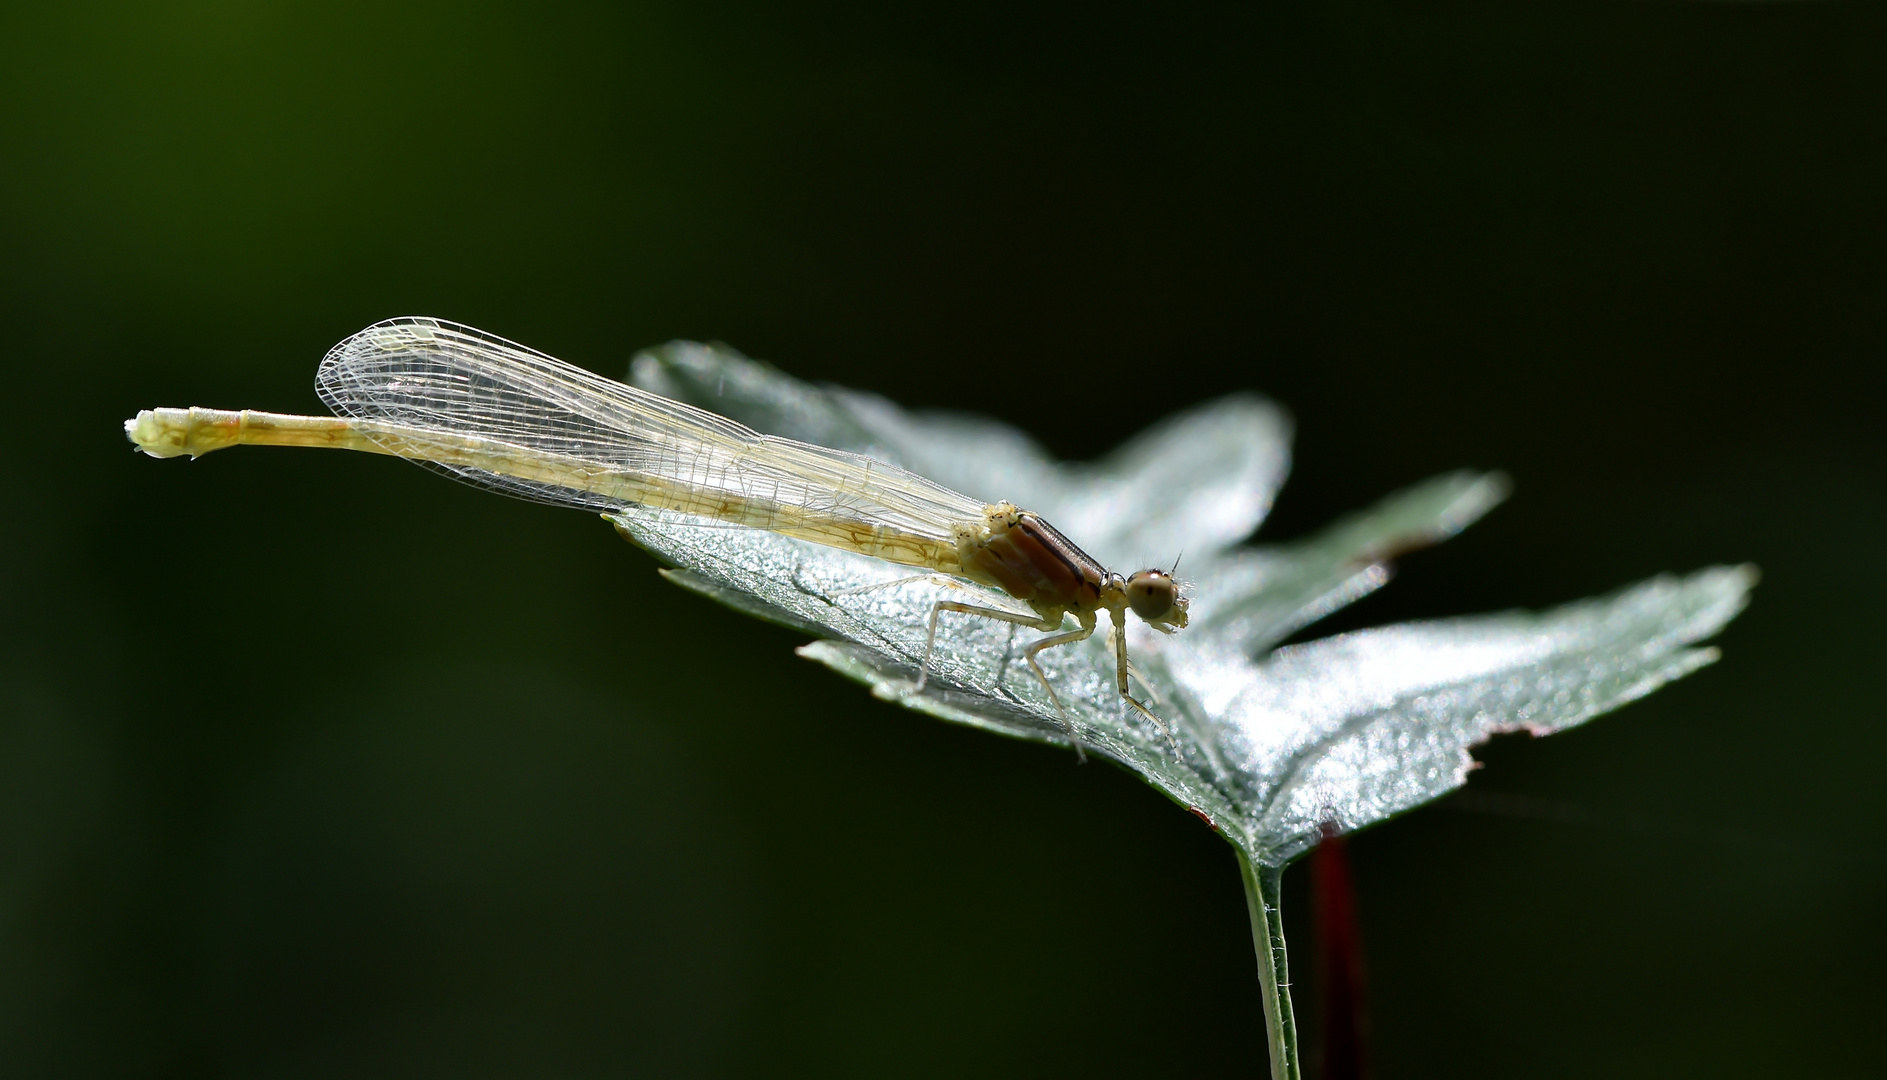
{"x":504,"y":417}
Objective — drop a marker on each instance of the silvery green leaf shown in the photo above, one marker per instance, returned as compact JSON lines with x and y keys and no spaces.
{"x":1351,"y":729}
{"x":1263,"y":595}
{"x":1270,"y":746}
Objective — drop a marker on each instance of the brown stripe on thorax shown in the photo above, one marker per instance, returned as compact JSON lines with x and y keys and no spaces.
{"x":1034,"y":563}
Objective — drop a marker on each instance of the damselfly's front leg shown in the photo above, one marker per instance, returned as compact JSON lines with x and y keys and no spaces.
{"x":1121,"y":668}
{"x":1033,"y":622}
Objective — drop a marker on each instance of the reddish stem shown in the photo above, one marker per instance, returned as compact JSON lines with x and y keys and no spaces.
{"x":1338,"y":960}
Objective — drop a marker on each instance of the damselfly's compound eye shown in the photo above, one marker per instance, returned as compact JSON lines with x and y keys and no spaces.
{"x":1153,"y":594}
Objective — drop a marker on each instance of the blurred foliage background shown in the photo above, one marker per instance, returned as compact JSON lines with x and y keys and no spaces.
{"x":316,"y":764}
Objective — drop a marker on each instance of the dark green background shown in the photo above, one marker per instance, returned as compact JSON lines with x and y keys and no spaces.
{"x":316,"y":765}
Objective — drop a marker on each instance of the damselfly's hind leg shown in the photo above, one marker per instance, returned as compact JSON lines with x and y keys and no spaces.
{"x":934,"y":579}
{"x":1034,"y":622}
{"x":1031,"y":621}
{"x":1122,"y":667}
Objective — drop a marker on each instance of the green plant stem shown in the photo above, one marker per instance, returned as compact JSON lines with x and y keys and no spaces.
{"x":1274,"y":973}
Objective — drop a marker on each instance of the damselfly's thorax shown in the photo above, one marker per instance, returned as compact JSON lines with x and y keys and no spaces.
{"x":1031,"y":560}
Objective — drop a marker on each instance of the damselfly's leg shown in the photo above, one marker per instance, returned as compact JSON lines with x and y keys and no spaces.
{"x":1034,"y":622}
{"x":1030,"y":621}
{"x":1049,"y":642}
{"x":1133,"y":671}
{"x":934,"y":579}
{"x":1121,"y":668}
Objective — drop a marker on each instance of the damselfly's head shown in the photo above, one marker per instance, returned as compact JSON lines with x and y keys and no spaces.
{"x":1155,"y":596}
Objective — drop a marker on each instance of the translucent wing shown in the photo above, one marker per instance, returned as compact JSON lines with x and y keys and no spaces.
{"x":557,"y":434}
